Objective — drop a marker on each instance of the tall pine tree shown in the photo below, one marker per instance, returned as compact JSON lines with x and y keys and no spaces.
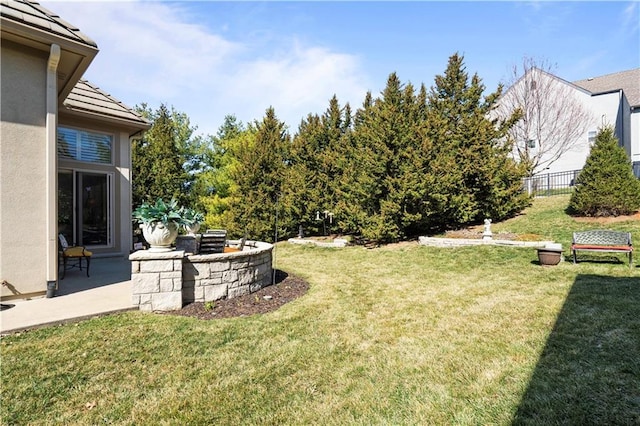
{"x":158,"y":161}
{"x":606,"y":185}
{"x":259,"y":175}
{"x":383,"y":200}
{"x":316,"y":167}
{"x":475,"y":176}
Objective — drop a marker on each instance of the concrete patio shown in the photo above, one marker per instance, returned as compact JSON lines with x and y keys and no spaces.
{"x":107,"y":290}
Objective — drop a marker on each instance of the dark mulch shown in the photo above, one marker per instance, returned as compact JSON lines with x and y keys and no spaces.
{"x":267,"y":299}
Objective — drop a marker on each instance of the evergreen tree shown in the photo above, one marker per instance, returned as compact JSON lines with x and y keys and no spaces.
{"x":384,"y":183}
{"x":315,"y":167}
{"x":157,"y":161}
{"x":606,"y":185}
{"x":476,"y":178}
{"x":214,"y":185}
{"x":258,"y":180}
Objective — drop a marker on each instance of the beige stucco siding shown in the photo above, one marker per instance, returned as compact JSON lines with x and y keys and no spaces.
{"x":22,"y":170}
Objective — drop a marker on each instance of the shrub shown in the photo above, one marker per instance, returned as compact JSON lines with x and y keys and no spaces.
{"x":606,"y":185}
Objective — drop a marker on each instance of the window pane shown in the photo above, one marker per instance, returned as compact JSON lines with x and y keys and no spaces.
{"x":84,"y":146}
{"x":95,"y":212}
{"x":95,"y":148}
{"x":67,"y":143}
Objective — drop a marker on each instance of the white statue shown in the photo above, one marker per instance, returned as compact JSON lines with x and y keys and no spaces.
{"x":487,"y":234}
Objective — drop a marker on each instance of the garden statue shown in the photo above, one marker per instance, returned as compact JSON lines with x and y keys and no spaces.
{"x":487,"y":234}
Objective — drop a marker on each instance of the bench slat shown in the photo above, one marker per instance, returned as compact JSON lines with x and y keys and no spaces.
{"x":604,"y":241}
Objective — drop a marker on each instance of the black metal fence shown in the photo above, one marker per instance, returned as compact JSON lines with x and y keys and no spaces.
{"x":551,"y":183}
{"x":544,"y":185}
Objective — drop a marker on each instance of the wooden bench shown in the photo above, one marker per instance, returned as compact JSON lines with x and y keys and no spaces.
{"x":603,"y":241}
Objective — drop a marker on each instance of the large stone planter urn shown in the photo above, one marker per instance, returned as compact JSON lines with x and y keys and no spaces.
{"x":160,"y":236}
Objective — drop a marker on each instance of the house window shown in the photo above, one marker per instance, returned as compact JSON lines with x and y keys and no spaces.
{"x":592,"y":137}
{"x":531,"y":143}
{"x":84,"y":146}
{"x":85,"y":207}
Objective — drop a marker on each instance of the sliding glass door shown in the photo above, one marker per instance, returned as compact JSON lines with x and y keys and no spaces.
{"x":84,"y":207}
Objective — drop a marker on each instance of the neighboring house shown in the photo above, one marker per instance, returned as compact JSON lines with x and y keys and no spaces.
{"x":617,"y":96}
{"x":65,"y":151}
{"x":612,"y":99}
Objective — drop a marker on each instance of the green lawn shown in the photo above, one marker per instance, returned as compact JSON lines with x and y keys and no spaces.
{"x":397,"y":335}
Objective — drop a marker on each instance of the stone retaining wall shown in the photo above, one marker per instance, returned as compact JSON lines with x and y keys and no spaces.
{"x":461,"y":242}
{"x":338,"y":242}
{"x":212,"y":277}
{"x":165,"y":281}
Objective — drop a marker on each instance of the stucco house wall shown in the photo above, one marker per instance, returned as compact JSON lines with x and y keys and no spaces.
{"x":624,"y":88}
{"x":23,"y":236}
{"x":43,"y":59}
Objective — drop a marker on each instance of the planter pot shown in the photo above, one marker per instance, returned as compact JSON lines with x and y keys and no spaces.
{"x":192,"y":229}
{"x":549,"y":256}
{"x":159,"y":236}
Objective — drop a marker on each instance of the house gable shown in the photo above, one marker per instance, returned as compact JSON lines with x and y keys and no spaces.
{"x":627,"y":81}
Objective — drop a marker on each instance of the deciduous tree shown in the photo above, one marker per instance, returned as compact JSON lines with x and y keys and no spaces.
{"x":553,"y":118}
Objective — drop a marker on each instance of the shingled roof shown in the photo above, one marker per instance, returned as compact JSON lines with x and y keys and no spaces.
{"x":87,"y":98}
{"x":82,"y":97}
{"x":628,"y":81}
{"x":30,"y":13}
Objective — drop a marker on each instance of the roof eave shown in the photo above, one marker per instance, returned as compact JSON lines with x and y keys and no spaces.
{"x":42,"y":40}
{"x":108,"y":119}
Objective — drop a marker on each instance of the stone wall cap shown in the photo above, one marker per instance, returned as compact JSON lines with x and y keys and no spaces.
{"x":251,"y":249}
{"x":149,"y":255}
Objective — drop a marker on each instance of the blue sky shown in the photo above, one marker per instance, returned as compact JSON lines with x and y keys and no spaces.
{"x":209,"y":58}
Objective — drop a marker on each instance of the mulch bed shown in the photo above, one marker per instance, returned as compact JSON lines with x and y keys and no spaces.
{"x":267,"y":299}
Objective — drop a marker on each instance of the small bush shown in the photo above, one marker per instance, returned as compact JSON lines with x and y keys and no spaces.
{"x":606,"y":185}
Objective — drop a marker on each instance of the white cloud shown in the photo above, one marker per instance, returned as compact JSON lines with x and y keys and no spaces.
{"x":630,"y":19}
{"x":159,"y":53}
{"x":298,"y":83}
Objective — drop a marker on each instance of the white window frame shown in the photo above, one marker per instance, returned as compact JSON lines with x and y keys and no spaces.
{"x":78,"y":131}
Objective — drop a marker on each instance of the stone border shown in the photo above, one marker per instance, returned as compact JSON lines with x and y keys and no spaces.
{"x":165,"y":281}
{"x":464,"y":242}
{"x":337,"y":243}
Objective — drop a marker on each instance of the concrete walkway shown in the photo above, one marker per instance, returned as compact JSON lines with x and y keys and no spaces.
{"x":107,"y":290}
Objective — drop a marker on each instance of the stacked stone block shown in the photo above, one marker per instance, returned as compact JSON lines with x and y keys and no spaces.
{"x":217,"y":276}
{"x":164,"y":281}
{"x":156,"y":280}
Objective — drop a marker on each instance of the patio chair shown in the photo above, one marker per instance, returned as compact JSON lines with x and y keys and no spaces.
{"x":74,"y":253}
{"x":213,"y":241}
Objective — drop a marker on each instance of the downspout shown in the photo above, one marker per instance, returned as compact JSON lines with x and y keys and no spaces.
{"x":51,"y":177}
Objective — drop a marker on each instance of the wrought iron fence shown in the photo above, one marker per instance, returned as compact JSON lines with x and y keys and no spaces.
{"x":544,"y":185}
{"x":551,"y":183}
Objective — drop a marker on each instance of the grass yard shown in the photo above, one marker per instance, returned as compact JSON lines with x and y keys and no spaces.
{"x":397,"y":335}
